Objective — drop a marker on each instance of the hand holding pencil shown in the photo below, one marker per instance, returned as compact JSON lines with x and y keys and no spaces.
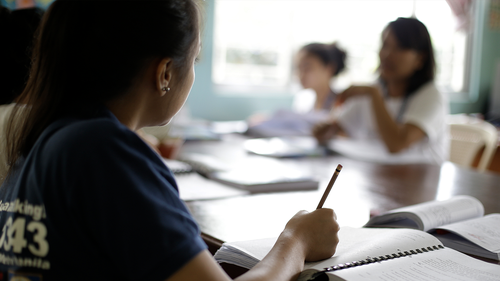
{"x":317,"y":231}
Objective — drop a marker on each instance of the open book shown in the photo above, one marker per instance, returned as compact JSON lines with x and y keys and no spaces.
{"x":375,"y":254}
{"x":458,"y":222}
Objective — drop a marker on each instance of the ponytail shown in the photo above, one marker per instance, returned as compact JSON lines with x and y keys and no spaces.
{"x":329,"y":54}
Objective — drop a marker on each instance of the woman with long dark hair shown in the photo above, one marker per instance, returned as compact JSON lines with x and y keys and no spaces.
{"x":86,"y":198}
{"x":17,"y":30}
{"x":405,"y":111}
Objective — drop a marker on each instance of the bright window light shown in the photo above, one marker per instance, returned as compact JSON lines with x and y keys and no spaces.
{"x":255,"y":40}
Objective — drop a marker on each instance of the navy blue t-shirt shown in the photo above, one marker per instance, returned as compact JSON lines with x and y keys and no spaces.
{"x":93,"y":202}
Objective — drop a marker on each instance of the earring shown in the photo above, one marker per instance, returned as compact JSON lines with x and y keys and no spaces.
{"x":165,"y":89}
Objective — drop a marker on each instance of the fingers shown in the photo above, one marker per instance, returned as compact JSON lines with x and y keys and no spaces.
{"x":324,"y":131}
{"x":351,"y":92}
{"x":325,"y":238}
{"x":356,"y":90}
{"x":317,"y":231}
{"x":319,"y":130}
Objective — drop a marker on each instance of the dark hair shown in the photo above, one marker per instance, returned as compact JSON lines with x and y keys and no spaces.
{"x":18,"y":31}
{"x":412,"y":34}
{"x":329,"y":54}
{"x":4,"y":22}
{"x":91,"y":52}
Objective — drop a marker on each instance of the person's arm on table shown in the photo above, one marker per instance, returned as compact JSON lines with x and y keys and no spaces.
{"x":307,"y":237}
{"x":395,"y":136}
{"x":325,"y":131}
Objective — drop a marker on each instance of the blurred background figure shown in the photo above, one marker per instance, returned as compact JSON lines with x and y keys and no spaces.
{"x":317,"y":64}
{"x":404,"y":111}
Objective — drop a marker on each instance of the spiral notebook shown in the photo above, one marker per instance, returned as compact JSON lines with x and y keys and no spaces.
{"x":375,"y":254}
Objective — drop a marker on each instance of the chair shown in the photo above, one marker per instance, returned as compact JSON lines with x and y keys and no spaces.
{"x":468,"y":135}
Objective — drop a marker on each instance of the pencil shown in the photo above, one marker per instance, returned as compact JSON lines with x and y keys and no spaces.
{"x":329,"y":187}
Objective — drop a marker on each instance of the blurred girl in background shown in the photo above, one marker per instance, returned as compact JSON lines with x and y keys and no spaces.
{"x":405,"y":111}
{"x":317,"y":64}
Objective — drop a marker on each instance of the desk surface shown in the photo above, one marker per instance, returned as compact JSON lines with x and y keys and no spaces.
{"x":361,"y":188}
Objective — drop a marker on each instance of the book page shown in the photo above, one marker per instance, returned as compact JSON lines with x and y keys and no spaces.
{"x":245,"y":254}
{"x":484,"y":231}
{"x":439,"y":265}
{"x":437,"y":213}
{"x":354,"y":244}
{"x":361,"y":243}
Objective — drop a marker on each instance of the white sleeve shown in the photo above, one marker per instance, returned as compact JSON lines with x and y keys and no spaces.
{"x":356,"y":117}
{"x":427,"y":109}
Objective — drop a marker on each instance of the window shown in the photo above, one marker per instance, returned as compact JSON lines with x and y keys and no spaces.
{"x":255,"y":40}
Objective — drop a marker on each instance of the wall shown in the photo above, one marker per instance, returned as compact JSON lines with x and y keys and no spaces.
{"x":487,"y":53}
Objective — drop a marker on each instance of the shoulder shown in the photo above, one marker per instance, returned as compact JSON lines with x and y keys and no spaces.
{"x":93,"y":133}
{"x":99,"y":128}
{"x":96,"y":153}
{"x":427,"y":108}
{"x":428,"y":91}
{"x":99,"y":142}
{"x":428,"y":98}
{"x":429,"y":87}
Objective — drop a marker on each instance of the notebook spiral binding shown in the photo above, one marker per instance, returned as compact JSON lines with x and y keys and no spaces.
{"x":369,"y":260}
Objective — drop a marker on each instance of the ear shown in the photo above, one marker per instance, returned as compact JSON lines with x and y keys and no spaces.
{"x":164,"y":71}
{"x":420,"y":61}
{"x":332,"y":68}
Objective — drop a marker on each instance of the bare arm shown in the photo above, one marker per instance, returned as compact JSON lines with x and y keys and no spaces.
{"x":326,"y":130}
{"x":396,"y":136}
{"x":284,"y":262}
{"x":307,"y":236}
